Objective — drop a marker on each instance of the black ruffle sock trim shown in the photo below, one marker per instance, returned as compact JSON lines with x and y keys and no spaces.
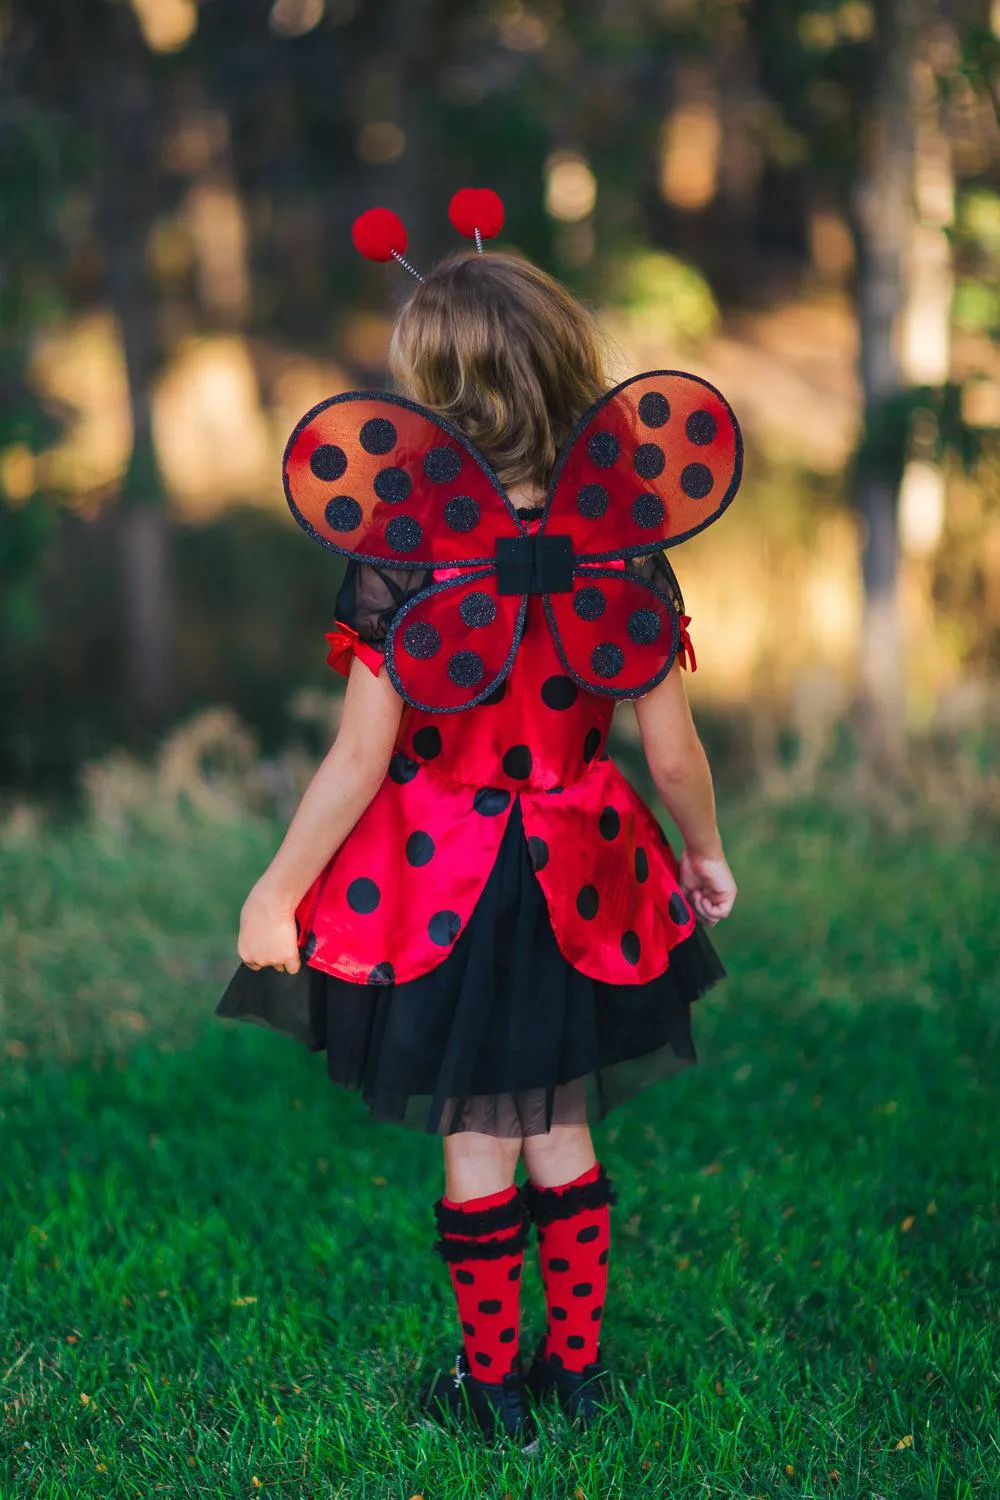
{"x":545,"y":1205}
{"x":484,"y":1221}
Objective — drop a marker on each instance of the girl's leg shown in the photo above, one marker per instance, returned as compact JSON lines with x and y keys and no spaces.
{"x":476,"y":1165}
{"x":560,"y":1156}
{"x":484,"y":1228}
{"x":568,"y":1195}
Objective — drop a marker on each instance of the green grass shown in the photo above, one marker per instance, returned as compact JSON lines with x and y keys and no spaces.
{"x":216,"y":1267}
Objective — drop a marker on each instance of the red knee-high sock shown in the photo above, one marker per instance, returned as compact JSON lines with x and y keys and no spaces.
{"x":483,"y":1241}
{"x":574,"y":1240}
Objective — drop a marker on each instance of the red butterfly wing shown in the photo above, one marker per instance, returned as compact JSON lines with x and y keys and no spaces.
{"x":615,"y":633}
{"x":376,"y":477}
{"x":656,"y":460}
{"x":451,"y":645}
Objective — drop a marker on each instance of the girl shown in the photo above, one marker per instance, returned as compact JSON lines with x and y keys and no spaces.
{"x":499,"y":943}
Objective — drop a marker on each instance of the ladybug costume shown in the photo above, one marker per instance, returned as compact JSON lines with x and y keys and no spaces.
{"x":501,"y":942}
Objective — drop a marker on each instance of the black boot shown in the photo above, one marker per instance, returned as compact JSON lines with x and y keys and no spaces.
{"x":497,"y":1409}
{"x":580,"y":1393}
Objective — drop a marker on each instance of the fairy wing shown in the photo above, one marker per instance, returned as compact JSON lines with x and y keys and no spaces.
{"x":656,"y":460}
{"x":615,"y":633}
{"x":378,"y":478}
{"x":452,"y":644}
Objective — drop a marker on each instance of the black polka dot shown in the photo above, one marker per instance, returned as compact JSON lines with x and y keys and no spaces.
{"x":591,"y":743}
{"x":419,"y":848}
{"x":491,"y":800}
{"x":556,"y":1359}
{"x":591,"y":1232}
{"x":589,"y":603}
{"x":596,"y":1312}
{"x":644,"y":625}
{"x":678,"y":910}
{"x":469,"y":1328}
{"x":482,"y":1359}
{"x":517,"y":762}
{"x":465,"y":1277}
{"x":558,"y":1264}
{"x":507,"y":1335}
{"x":701,"y":428}
{"x":466,"y":668}
{"x":514,"y":1274}
{"x":592,"y":501}
{"x":587,"y":902}
{"x":696,"y":481}
{"x":631,"y":947}
{"x":648,"y":460}
{"x":328,"y":462}
{"x":393,"y":486}
{"x":477,"y":609}
{"x":559,"y":692}
{"x":560,"y":1314}
{"x":342,"y":513}
{"x":461,"y":513}
{"x":491,"y":1305}
{"x":404,"y":534}
{"x":602,"y":1259}
{"x":496,"y":696}
{"x":609,"y":823}
{"x":377,"y":435}
{"x":539,"y":851}
{"x":443,"y":928}
{"x":442,"y":465}
{"x":383,"y":973}
{"x":654,"y":409}
{"x":309,"y":946}
{"x":427,"y":742}
{"x":641,"y":865}
{"x":647,"y":511}
{"x":402,"y":769}
{"x":421,"y":639}
{"x":603,"y":449}
{"x":575,"y":1341}
{"x":363,"y":895}
{"x":607,"y":659}
{"x":583,"y":1288}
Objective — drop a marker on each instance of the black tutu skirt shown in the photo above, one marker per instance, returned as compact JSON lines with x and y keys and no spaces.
{"x":504,"y":1036}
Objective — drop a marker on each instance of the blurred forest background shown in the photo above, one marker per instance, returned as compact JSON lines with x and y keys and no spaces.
{"x":798,"y":199}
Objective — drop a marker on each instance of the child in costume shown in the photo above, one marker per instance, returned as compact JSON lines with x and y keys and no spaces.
{"x":473,"y":912}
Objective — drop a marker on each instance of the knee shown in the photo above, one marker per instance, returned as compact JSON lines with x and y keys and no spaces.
{"x":560,"y":1156}
{"x":477,"y":1164}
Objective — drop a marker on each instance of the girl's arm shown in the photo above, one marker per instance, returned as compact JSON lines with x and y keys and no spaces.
{"x":679,"y":768}
{"x":334,"y":800}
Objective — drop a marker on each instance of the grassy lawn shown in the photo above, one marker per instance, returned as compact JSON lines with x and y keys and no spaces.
{"x":217,"y":1270}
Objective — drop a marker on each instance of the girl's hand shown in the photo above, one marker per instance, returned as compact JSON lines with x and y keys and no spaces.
{"x":268,"y":935}
{"x":708,"y":884}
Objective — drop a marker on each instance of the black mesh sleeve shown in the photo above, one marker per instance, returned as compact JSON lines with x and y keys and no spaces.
{"x":657,"y":571}
{"x":369,"y":597}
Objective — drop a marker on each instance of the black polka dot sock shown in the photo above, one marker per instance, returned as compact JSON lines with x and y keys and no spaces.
{"x":483,"y":1241}
{"x":574,"y":1238}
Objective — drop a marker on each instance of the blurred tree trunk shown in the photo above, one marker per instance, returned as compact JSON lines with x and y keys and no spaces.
{"x":884,"y":225}
{"x":410,"y":31}
{"x":122,"y":105}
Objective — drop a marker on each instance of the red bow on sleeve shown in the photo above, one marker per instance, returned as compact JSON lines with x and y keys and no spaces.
{"x":345,"y":643}
{"x":686,"y":650}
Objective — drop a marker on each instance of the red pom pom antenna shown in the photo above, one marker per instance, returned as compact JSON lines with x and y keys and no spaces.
{"x":477,"y":213}
{"x":379,"y":234}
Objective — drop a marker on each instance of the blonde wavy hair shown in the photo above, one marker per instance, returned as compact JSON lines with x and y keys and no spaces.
{"x":496,"y":346}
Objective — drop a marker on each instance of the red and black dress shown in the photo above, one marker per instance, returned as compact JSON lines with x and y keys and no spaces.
{"x":500,"y":944}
